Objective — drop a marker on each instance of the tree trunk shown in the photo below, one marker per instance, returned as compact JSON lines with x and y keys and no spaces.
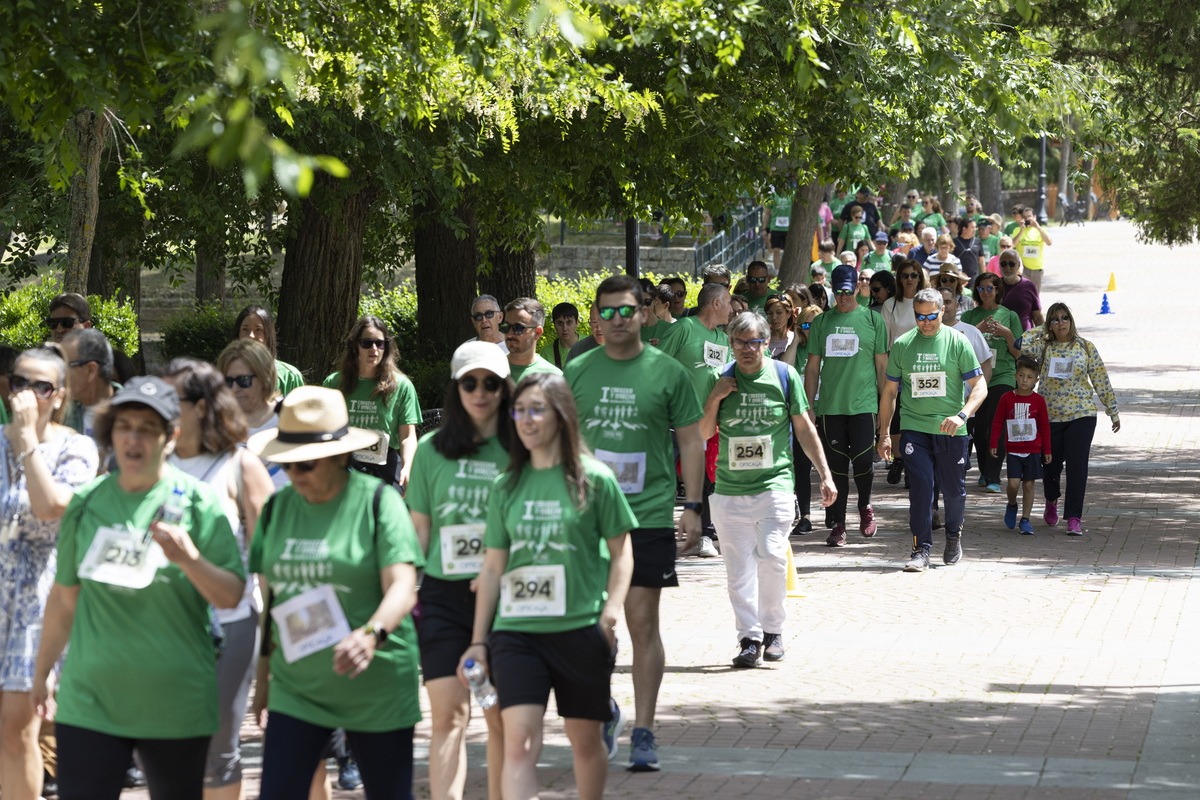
{"x":100,"y":279}
{"x":991,"y":193}
{"x":210,"y":268}
{"x":322,"y":273}
{"x":1064,"y":172}
{"x":512,"y":274}
{"x":633,"y":248}
{"x":806,"y":219}
{"x":87,"y":132}
{"x":955,"y":184}
{"x":893,"y":200}
{"x":5,"y":235}
{"x":446,"y":268}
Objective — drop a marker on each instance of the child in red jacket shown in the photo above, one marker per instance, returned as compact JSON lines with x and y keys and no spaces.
{"x":1023,"y":424}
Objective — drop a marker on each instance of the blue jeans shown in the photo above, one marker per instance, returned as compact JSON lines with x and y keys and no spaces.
{"x":934,"y":459}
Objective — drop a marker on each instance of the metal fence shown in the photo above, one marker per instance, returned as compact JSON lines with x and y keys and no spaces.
{"x":737,"y":245}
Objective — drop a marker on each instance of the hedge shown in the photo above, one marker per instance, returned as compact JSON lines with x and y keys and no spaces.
{"x":200,"y":332}
{"x":24,"y":311}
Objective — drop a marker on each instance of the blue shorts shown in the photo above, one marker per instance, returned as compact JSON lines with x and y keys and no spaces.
{"x":1025,"y":469}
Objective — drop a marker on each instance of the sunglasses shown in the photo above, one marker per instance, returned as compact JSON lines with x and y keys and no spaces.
{"x":490,"y":384}
{"x":985,"y":288}
{"x":41,"y":389}
{"x":909,"y":276}
{"x":805,"y":326}
{"x":842,"y":292}
{"x":679,"y":295}
{"x":647,"y":301}
{"x":1060,"y":320}
{"x":300,"y":466}
{"x":928,"y":317}
{"x":748,"y":344}
{"x":372,"y":344}
{"x":61,"y":322}
{"x":516,"y":327}
{"x":535,"y":413}
{"x":607,"y":312}
{"x":1008,"y":263}
{"x":763,"y":279}
{"x":244,"y":381}
{"x":480,"y":316}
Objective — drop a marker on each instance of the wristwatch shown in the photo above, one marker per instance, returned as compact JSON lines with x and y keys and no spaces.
{"x":693,"y":507}
{"x":378,"y":631}
{"x":963,"y":415}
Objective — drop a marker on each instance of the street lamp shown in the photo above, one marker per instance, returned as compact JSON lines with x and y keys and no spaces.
{"x":1040,"y":211}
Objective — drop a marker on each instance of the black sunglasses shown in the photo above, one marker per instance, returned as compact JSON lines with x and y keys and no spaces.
{"x":300,"y":466}
{"x":490,"y":384}
{"x":763,"y":279}
{"x":516,"y":327}
{"x":244,"y":381}
{"x":607,"y":312}
{"x":1008,"y":263}
{"x":41,"y":389}
{"x":372,"y":344}
{"x":679,"y":295}
{"x":61,"y":322}
{"x":480,"y":316}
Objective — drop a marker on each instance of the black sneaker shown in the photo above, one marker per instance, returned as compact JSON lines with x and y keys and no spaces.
{"x":953,"y":551}
{"x":134,"y":778}
{"x":937,"y":521}
{"x":773,"y":647}
{"x":750,"y":654}
{"x":895,"y":471}
{"x":349,"y":777}
{"x":919,"y":562}
{"x":804,"y":526}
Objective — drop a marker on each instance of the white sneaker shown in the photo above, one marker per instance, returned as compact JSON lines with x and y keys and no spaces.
{"x":707,"y":549}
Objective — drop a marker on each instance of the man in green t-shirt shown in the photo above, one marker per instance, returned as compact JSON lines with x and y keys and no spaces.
{"x":847,"y":355}
{"x":522,"y":327}
{"x":760,"y":289}
{"x":988,"y":240}
{"x":931,"y":365}
{"x":629,"y":397}
{"x":879,"y":260}
{"x":777,"y":216}
{"x":565,"y":317}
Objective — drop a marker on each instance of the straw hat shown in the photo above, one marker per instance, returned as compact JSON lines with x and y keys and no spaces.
{"x":946,"y":268}
{"x":313,"y":423}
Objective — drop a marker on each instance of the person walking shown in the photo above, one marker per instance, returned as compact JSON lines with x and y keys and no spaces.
{"x":255,"y":322}
{"x":1022,"y":424}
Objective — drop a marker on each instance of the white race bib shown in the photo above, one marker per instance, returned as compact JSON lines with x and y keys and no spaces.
{"x":995,"y":355}
{"x":534,"y":591}
{"x":1031,"y":251}
{"x":841,"y":345}
{"x":462,"y":549}
{"x":630,"y":469}
{"x":928,"y":384}
{"x":750,"y":452}
{"x":310,"y":622}
{"x":1022,"y":430}
{"x":716,"y":355}
{"x":376,"y":453}
{"x":121,"y":557}
{"x":782,"y":222}
{"x":1061,"y":368}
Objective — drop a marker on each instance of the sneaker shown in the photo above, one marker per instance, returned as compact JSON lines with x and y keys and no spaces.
{"x":643,"y":755}
{"x":866,"y":522}
{"x":772,"y":647}
{"x":919,"y":562}
{"x":134,"y":778}
{"x":613,"y":728}
{"x":49,"y":785}
{"x":937,"y":520}
{"x":707,"y":549}
{"x":750,"y":654}
{"x":837,"y":537}
{"x":348,"y":775}
{"x":1027,"y":527}
{"x":1074,"y":526}
{"x":993,"y":488}
{"x":802,"y":527}
{"x":953,"y":551}
{"x":1010,"y":516}
{"x":895,"y":471}
{"x":1051,"y":515}
{"x":982,"y":481}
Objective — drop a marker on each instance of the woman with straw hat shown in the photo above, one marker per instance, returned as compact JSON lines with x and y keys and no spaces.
{"x":338,"y":558}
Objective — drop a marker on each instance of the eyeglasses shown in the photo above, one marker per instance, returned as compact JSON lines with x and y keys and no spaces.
{"x":516,"y":327}
{"x":62,"y":322}
{"x":1008,"y":263}
{"x":607,"y":312}
{"x":1060,"y":320}
{"x":842,"y":292}
{"x":909,"y":276}
{"x":244,"y":381}
{"x":535,"y":413}
{"x":300,"y":466}
{"x":857,"y":216}
{"x":41,"y":389}
{"x":987,"y":287}
{"x":372,"y":344}
{"x":480,"y":316}
{"x":679,"y":295}
{"x":928,"y":317}
{"x":875,"y":289}
{"x":763,"y":279}
{"x":490,"y":384}
{"x":748,"y":344}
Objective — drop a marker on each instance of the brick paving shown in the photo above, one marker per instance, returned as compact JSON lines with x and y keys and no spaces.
{"x":1038,"y":667}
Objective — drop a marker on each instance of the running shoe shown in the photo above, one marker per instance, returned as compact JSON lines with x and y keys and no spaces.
{"x":707,"y":549}
{"x":1074,"y":526}
{"x":866,"y":521}
{"x":643,"y":754}
{"x":1027,"y":527}
{"x":936,"y":522}
{"x":1010,"y":516}
{"x":349,"y":777}
{"x":749,"y":655}
{"x":895,"y":471}
{"x":613,"y":728}
{"x":1051,"y":515}
{"x":802,"y":527}
{"x":837,"y":537}
{"x":993,"y":488}
{"x":953,"y":551}
{"x":982,"y":481}
{"x":773,"y":647}
{"x":919,"y":561}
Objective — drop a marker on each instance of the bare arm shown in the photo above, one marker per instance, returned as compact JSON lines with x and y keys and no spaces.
{"x":56,"y":632}
{"x":354,"y":653}
{"x":812,"y":376}
{"x":424,"y":525}
{"x":950,"y":425}
{"x":620,"y":570}
{"x":257,"y":486}
{"x":219,"y":586}
{"x":408,"y":449}
{"x":262,"y":672}
{"x":881,"y":371}
{"x":487,"y":597}
{"x":887,"y":407}
{"x":691,"y":461}
{"x":47,"y":498}
{"x":708,"y":423}
{"x":1038,"y":320}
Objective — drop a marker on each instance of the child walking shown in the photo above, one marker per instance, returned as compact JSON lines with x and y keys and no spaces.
{"x":1023,"y":424}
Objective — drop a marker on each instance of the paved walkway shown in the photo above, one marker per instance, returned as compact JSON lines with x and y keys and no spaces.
{"x":1039,"y":667}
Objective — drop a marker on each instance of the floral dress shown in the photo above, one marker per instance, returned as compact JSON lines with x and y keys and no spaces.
{"x":28,"y":554}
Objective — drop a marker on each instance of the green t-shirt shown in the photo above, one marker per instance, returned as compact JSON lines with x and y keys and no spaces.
{"x":878,"y":262}
{"x":1004,"y":366}
{"x":141,"y":663}
{"x":287,"y":377}
{"x":539,"y":365}
{"x":847,"y":345}
{"x":341,"y":543}
{"x":755,"y":426}
{"x":1010,"y":228}
{"x":3,"y":413}
{"x":781,"y":212}
{"x":454,"y":493}
{"x":895,"y":226}
{"x":658,"y":330}
{"x":703,"y":353}
{"x":378,"y":414}
{"x":626,"y":412}
{"x":931,"y":371}
{"x":557,"y":561}
{"x":547,"y":352}
{"x":991,"y":246}
{"x":754,"y":302}
{"x":829,"y":268}
{"x":935,"y":220}
{"x":853,"y":233}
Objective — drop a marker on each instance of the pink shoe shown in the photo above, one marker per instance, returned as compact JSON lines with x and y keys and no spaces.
{"x":1074,"y":527}
{"x":1051,"y":515}
{"x":866,"y":521}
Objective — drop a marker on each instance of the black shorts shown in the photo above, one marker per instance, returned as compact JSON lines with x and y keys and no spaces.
{"x":577,"y":664}
{"x":653,"y":558}
{"x":778,"y":239}
{"x":447,"y":618}
{"x":1025,"y":469}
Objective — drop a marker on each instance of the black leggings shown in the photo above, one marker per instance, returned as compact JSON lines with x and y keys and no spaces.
{"x":292,"y":749}
{"x":1070,"y":444}
{"x":803,"y":468}
{"x":849,"y":440}
{"x":91,"y":765}
{"x":989,"y":467}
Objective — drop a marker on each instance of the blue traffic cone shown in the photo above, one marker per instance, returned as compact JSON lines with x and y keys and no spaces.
{"x":1105,"y":308}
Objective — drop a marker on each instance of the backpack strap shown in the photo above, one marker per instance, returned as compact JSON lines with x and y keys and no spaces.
{"x":557,"y":355}
{"x":265,"y":647}
{"x":375,"y":514}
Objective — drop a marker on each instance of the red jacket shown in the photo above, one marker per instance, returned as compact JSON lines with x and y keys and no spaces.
{"x":1015,"y":407}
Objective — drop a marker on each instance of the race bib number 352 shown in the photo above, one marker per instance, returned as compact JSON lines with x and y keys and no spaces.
{"x":534,"y":591}
{"x":928,"y":384}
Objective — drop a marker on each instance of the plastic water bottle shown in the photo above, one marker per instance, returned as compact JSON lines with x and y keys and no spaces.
{"x":171,"y":512}
{"x":481,"y":687}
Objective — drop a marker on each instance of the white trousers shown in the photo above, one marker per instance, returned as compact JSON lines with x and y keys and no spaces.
{"x":754,"y":530}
